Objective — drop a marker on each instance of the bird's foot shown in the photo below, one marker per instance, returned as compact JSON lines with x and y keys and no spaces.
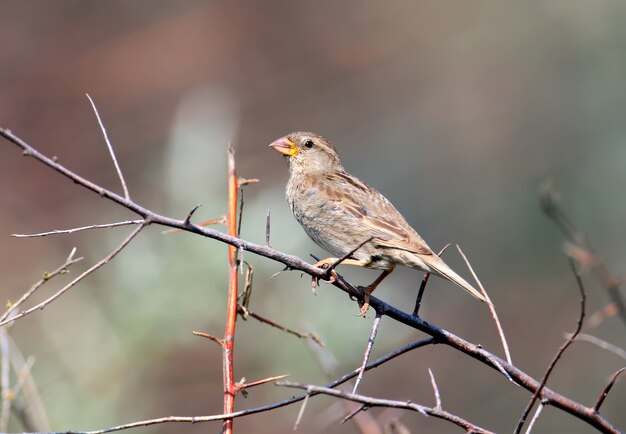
{"x":325,"y":263}
{"x":365,"y":304}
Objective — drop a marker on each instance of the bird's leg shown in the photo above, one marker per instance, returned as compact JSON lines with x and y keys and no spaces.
{"x":371,"y":288}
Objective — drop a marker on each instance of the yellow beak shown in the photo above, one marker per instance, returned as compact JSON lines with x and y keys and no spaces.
{"x":285,"y":146}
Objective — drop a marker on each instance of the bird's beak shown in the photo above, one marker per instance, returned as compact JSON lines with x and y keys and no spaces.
{"x":285,"y":146}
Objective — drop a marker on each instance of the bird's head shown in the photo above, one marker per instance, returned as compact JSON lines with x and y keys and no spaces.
{"x":307,"y":153}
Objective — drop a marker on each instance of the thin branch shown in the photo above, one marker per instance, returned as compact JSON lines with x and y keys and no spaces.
{"x":420,"y":293}
{"x":78,"y":229}
{"x":110,"y":147}
{"x":267,"y":227}
{"x":301,"y":412}
{"x":568,"y":342}
{"x":310,"y":335}
{"x":5,"y":381}
{"x":600,"y":343}
{"x":347,"y":255}
{"x":353,"y":413}
{"x":368,"y":350}
{"x":46,"y":277}
{"x":376,"y":402}
{"x":261,"y":382}
{"x":607,"y":389}
{"x":492,"y":308}
{"x":435,"y":390}
{"x":93,"y":268}
{"x":548,"y":198}
{"x":217,"y":340}
{"x":531,"y":424}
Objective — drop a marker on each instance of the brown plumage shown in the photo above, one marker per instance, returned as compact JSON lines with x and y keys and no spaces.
{"x":339,"y":212}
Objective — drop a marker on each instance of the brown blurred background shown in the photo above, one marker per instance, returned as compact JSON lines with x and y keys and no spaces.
{"x":457,"y":111}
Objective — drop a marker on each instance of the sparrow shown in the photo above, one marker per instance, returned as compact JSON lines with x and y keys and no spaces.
{"x":339,"y":212}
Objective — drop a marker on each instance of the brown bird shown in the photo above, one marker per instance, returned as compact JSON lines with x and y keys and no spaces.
{"x":339,"y":212}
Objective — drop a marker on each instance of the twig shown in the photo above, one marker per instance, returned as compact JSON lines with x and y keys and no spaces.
{"x":261,"y":382}
{"x":435,"y":390}
{"x":492,"y":308}
{"x":46,"y":277}
{"x":548,"y":198}
{"x":376,"y":402}
{"x":347,"y":255}
{"x":607,"y":389}
{"x":82,"y":228}
{"x":368,"y":350}
{"x":600,"y":343}
{"x":217,"y":340}
{"x":315,"y":338}
{"x":353,"y":413}
{"x":33,"y":414}
{"x":301,"y":412}
{"x":420,"y":293}
{"x":267,"y":227}
{"x":93,"y":268}
{"x":106,"y":139}
{"x":531,"y":424}
{"x":5,"y":382}
{"x":568,"y":342}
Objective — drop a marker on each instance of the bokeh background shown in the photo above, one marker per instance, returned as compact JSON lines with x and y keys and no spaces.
{"x":457,"y":111}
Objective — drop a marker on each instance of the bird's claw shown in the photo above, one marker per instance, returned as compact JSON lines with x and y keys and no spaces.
{"x":365,"y":304}
{"x":332,"y":279}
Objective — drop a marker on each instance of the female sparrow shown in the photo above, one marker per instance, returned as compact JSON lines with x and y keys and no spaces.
{"x":339,"y":212}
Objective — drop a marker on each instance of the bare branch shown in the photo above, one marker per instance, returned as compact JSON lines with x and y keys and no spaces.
{"x":261,"y":382}
{"x":46,"y":277}
{"x":531,"y":424}
{"x":368,"y":350}
{"x":600,"y":343}
{"x":607,"y":389}
{"x":353,"y":413}
{"x":561,"y":350}
{"x":301,"y":412}
{"x":435,"y":390}
{"x":492,"y":308}
{"x":346,"y":256}
{"x":267,"y":227}
{"x":548,"y":198}
{"x":310,"y":335}
{"x":5,"y":384}
{"x":376,"y":402}
{"x":78,"y":229}
{"x":218,"y":341}
{"x":93,"y":268}
{"x":420,"y":293}
{"x":110,"y":147}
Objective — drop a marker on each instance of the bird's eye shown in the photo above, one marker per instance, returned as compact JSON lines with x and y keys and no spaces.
{"x":308,"y":144}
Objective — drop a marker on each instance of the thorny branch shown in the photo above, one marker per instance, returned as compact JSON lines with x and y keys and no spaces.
{"x":439,"y":335}
{"x":557,"y":357}
{"x":376,"y":402}
{"x":580,"y":247}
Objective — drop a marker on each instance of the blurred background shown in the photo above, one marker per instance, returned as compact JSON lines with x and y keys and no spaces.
{"x":456,"y":111}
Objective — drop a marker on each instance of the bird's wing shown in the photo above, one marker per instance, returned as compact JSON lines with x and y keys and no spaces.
{"x":377,"y":215}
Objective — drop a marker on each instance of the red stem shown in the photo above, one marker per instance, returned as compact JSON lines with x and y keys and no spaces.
{"x":230,"y":388}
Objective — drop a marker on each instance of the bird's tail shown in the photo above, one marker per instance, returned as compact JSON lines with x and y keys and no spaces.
{"x":442,"y":269}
